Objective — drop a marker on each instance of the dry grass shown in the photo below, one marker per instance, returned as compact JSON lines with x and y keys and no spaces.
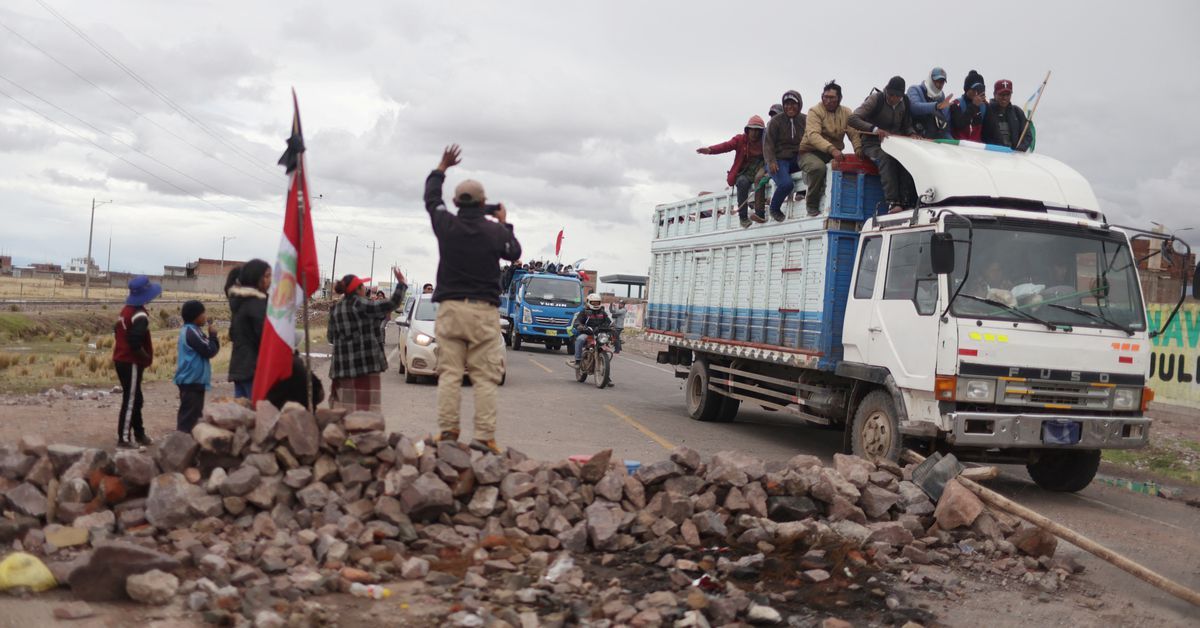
{"x":53,"y":289}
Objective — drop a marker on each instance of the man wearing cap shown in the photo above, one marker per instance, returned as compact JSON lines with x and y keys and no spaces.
{"x":966,"y":115}
{"x":133,"y":352}
{"x":747,"y":167}
{"x":885,"y":113}
{"x":931,"y":106}
{"x":1004,"y":124}
{"x":824,"y":140}
{"x":470,"y":247}
{"x":782,"y":149}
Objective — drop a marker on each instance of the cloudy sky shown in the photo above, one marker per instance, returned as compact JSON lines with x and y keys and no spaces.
{"x":580,"y":116}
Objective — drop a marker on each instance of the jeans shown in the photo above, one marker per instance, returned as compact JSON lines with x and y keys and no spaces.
{"x":243,"y":389}
{"x":191,"y":406}
{"x":783,"y":182}
{"x":580,"y":342}
{"x":747,"y":179}
{"x":898,"y":187}
{"x":129,"y":422}
{"x":813,"y":165}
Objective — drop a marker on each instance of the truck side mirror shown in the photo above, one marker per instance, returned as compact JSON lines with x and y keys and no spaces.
{"x":941,"y":253}
{"x":1196,"y":283}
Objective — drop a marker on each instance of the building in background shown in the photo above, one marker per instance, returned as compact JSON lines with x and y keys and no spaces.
{"x":205,"y":267}
{"x":175,"y":271}
{"x":6,"y":267}
{"x":1163,"y":277}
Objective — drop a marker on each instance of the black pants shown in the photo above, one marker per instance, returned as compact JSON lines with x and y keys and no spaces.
{"x":191,"y":406}
{"x":617,"y":339}
{"x":129,"y":423}
{"x":898,"y":187}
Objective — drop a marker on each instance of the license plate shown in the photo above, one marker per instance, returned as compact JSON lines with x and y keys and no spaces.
{"x":1061,"y":432}
{"x":551,"y":332}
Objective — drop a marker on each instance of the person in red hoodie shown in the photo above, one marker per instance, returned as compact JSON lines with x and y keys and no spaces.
{"x":132,"y":353}
{"x":748,"y":167}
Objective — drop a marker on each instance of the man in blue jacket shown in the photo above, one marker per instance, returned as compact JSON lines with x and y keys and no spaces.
{"x":193,"y":370}
{"x":931,"y":107}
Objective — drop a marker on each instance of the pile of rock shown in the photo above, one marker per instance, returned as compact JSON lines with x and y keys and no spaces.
{"x":258,"y":512}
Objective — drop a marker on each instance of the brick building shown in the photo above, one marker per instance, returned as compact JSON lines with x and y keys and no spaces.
{"x":205,"y":267}
{"x":5,"y":264}
{"x":1163,"y":277}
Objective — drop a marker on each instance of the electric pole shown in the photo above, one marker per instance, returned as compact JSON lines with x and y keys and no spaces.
{"x":333,"y":269}
{"x":224,"y":239}
{"x":373,"y":249}
{"x":87,"y":262}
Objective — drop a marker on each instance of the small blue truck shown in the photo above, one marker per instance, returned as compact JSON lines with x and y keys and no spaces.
{"x":539,"y":308}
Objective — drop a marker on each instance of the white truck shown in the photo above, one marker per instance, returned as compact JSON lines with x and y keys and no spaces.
{"x":1002,"y":320}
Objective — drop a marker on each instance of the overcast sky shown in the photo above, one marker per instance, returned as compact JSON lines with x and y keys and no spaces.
{"x":579,"y":116}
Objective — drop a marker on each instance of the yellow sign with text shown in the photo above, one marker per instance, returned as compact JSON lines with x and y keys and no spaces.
{"x":1175,"y":361}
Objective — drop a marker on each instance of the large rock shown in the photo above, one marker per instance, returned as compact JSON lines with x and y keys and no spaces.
{"x":154,"y":587}
{"x":686,"y":457}
{"x":596,"y":466}
{"x":483,"y":503}
{"x":829,"y":483}
{"x":63,"y":456}
{"x":1034,"y":541}
{"x":176,"y":452}
{"x":315,"y":496}
{"x":135,"y":468}
{"x":452,"y":453}
{"x":658,"y":472}
{"x":603,"y":522}
{"x":27,"y":500}
{"x":103,"y":577}
{"x":265,"y":419}
{"x":856,"y":470}
{"x":213,"y":439}
{"x":14,"y":464}
{"x":168,"y":505}
{"x":427,"y":497}
{"x":958,"y":507}
{"x":517,"y":485}
{"x":240,"y":482}
{"x":76,"y":491}
{"x":364,"y":422}
{"x":790,"y":508}
{"x":914,"y":500}
{"x":876,"y":501}
{"x":752,"y":466}
{"x":611,"y":486}
{"x":299,"y":428}
{"x":229,"y":416}
{"x":489,"y":469}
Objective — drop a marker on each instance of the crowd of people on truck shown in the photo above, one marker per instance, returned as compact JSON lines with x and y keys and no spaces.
{"x":792,"y":141}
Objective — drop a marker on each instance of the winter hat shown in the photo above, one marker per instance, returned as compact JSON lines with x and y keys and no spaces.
{"x":1003,"y":86}
{"x":191,"y":310}
{"x":142,"y":291}
{"x":252,"y":273}
{"x":895,"y":86}
{"x":792,"y":94}
{"x":755,"y":122}
{"x":974,"y":81}
{"x":775,"y":110}
{"x":469,"y":193}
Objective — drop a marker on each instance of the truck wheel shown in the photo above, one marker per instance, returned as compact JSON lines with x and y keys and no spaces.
{"x":729,"y":409}
{"x":507,"y":339}
{"x":516,"y":341}
{"x":702,"y":403}
{"x":875,"y":431}
{"x":409,"y":378}
{"x":1065,"y":471}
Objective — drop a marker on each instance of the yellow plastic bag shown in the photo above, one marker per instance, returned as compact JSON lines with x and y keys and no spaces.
{"x":25,"y":570}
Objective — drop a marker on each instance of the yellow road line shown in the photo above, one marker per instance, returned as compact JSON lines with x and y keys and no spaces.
{"x":666,"y":444}
{"x":543,"y":366}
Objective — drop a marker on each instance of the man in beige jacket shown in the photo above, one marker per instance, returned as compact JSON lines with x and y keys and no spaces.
{"x":824,"y":135}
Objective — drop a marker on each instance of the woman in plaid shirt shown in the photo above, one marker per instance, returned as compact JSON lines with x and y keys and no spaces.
{"x":358,"y":356}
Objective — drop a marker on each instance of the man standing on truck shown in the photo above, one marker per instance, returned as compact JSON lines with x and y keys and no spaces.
{"x":747,"y":167}
{"x":967,"y":115}
{"x":782,"y":149}
{"x":470,"y":247}
{"x":824,"y":135}
{"x":883,"y":114}
{"x":1004,"y":123}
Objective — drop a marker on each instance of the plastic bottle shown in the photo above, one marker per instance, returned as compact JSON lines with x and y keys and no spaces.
{"x":372,"y":591}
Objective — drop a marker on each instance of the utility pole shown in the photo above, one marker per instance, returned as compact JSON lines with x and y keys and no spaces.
{"x":224,"y":239}
{"x":108,"y":262}
{"x":333,"y":269}
{"x":87,"y":263}
{"x":373,"y":249}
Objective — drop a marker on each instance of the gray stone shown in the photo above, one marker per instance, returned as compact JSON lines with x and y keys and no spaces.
{"x":789,"y":508}
{"x":575,"y":540}
{"x":63,"y":456}
{"x":153,"y":587}
{"x":240,"y":482}
{"x":14,"y":465}
{"x":841,"y":508}
{"x":265,"y":418}
{"x":333,"y":436}
{"x":596,"y":466}
{"x":686,"y":485}
{"x":658,"y":472}
{"x":33,"y":444}
{"x":40,"y":473}
{"x":611,"y":486}
{"x":213,"y":439}
{"x":75,"y":491}
{"x":354,"y":474}
{"x":135,"y":468}
{"x":103,"y":521}
{"x":829,"y":483}
{"x":686,"y":457}
{"x":27,"y":500}
{"x":454,"y":454}
{"x":89,"y":461}
{"x":876,"y":501}
{"x":205,"y":505}
{"x":268,"y":490}
{"x":229,"y":416}
{"x":104,"y":575}
{"x":709,"y":523}
{"x":314,"y":496}
{"x":414,"y":568}
{"x":168,"y":504}
{"x":267,"y":464}
{"x":483,"y":503}
{"x":370,"y":443}
{"x":362,"y":421}
{"x":890,"y":532}
{"x":855,"y":470}
{"x":298,"y":478}
{"x":957,"y":507}
{"x":299,"y":428}
{"x":176,"y":452}
{"x":427,"y":497}
{"x":759,"y":614}
{"x":753,"y":467}
{"x":851,"y":531}
{"x":489,"y":469}
{"x":517,"y":485}
{"x":603,"y":523}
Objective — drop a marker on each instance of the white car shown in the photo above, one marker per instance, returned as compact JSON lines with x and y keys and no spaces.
{"x":418,"y":345}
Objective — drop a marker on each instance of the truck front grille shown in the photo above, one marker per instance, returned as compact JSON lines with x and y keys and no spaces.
{"x":1067,"y":395}
{"x":550,"y":320}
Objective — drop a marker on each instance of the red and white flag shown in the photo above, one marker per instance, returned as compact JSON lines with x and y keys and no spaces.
{"x":296,"y":274}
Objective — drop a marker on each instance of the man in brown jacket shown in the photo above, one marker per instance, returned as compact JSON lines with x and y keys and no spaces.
{"x":882,"y":114}
{"x":824,"y":140}
{"x":781,"y":149}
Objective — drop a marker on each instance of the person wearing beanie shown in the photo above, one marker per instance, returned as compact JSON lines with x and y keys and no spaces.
{"x":193,"y":370}
{"x":133,"y":353}
{"x":824,"y":140}
{"x":355,"y":323}
{"x":931,"y":106}
{"x":1004,"y":124}
{"x":966,"y":115}
{"x":748,"y":167}
{"x":470,"y":247}
{"x":247,"y":292}
{"x":781,"y":150}
{"x":886,"y":113}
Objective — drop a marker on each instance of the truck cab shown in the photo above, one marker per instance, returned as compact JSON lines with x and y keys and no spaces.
{"x":539,"y":308}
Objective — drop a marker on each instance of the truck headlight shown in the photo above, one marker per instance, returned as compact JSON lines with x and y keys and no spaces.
{"x":423,"y":339}
{"x":526,"y":316}
{"x":981,"y":390}
{"x":1126,"y":398}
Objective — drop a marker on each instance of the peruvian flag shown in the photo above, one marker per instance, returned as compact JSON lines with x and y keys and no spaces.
{"x":296,"y":275}
{"x":558,"y":244}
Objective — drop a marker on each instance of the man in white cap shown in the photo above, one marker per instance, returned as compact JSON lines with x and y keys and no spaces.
{"x":470,"y":247}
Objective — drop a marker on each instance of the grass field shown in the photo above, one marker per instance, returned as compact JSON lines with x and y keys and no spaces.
{"x":55,"y":289}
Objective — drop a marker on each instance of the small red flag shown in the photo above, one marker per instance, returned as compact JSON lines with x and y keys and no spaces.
{"x":558,"y":244}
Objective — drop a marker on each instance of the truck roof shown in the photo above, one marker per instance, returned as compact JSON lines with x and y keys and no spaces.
{"x":944,"y":170}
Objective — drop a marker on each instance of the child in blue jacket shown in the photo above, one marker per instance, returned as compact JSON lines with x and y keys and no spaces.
{"x":193,"y":372}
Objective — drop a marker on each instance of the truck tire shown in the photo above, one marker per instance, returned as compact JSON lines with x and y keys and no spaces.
{"x":409,"y":378}
{"x":875,"y":430}
{"x":702,"y":403}
{"x":1065,"y":471}
{"x":729,"y":409}
{"x":516,"y":341}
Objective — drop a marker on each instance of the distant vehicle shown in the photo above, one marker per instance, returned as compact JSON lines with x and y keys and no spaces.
{"x":597,"y":358}
{"x":539,"y":308}
{"x":418,"y":344}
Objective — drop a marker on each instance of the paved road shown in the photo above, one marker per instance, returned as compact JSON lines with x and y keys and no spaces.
{"x":548,"y":415}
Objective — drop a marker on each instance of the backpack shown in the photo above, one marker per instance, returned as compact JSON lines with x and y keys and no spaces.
{"x":883,"y":99}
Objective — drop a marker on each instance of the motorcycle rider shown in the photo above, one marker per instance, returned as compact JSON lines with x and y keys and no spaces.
{"x":587,"y":321}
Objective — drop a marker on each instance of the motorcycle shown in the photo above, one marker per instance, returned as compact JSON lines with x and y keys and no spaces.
{"x":597,"y":358}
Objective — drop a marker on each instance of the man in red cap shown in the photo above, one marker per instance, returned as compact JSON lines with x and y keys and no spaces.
{"x":1003,"y":124}
{"x":748,"y":167}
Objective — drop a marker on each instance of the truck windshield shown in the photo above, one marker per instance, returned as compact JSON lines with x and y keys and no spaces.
{"x":545,"y":291}
{"x":426,"y":310}
{"x":1067,"y":276}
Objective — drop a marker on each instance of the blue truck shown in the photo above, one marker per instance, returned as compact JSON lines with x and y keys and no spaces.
{"x":539,"y":308}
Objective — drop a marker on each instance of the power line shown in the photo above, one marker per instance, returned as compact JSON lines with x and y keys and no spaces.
{"x":151,"y":88}
{"x":136,"y":112}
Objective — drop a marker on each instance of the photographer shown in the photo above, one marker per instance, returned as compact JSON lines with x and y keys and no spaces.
{"x":470,"y":247}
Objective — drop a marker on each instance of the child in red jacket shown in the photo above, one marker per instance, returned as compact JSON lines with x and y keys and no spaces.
{"x":132,"y":353}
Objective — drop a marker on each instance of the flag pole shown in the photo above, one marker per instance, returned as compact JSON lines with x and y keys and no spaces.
{"x":1029,"y":118}
{"x":302,"y":202}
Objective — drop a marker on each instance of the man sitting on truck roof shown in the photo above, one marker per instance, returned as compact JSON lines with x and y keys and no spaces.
{"x":782,"y":149}
{"x":824,"y":140}
{"x":747,"y":167}
{"x":1004,"y":124}
{"x":931,"y":106}
{"x":884,"y":113}
{"x":966,"y":115}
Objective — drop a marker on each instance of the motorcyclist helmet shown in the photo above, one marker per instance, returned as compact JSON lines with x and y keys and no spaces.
{"x":593,"y":300}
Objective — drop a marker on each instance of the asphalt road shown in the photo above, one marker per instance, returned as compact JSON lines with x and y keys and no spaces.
{"x":546,"y":414}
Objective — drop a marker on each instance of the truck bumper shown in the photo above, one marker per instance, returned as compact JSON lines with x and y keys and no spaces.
{"x":1007,"y":431}
{"x":539,"y":333}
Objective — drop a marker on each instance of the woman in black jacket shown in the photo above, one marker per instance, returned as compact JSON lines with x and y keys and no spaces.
{"x":247,"y":291}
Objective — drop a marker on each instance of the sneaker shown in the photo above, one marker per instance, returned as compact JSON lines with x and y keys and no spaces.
{"x":813,"y":213}
{"x":573,"y":364}
{"x":487,"y":446}
{"x":778,"y":216}
{"x":757,"y":217}
{"x":144,"y":441}
{"x":895,"y":208}
{"x":450,"y":435}
{"x":745,"y":222}
{"x":124,"y":444}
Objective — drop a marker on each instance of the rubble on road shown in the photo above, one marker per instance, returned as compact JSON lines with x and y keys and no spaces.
{"x":253,"y":515}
